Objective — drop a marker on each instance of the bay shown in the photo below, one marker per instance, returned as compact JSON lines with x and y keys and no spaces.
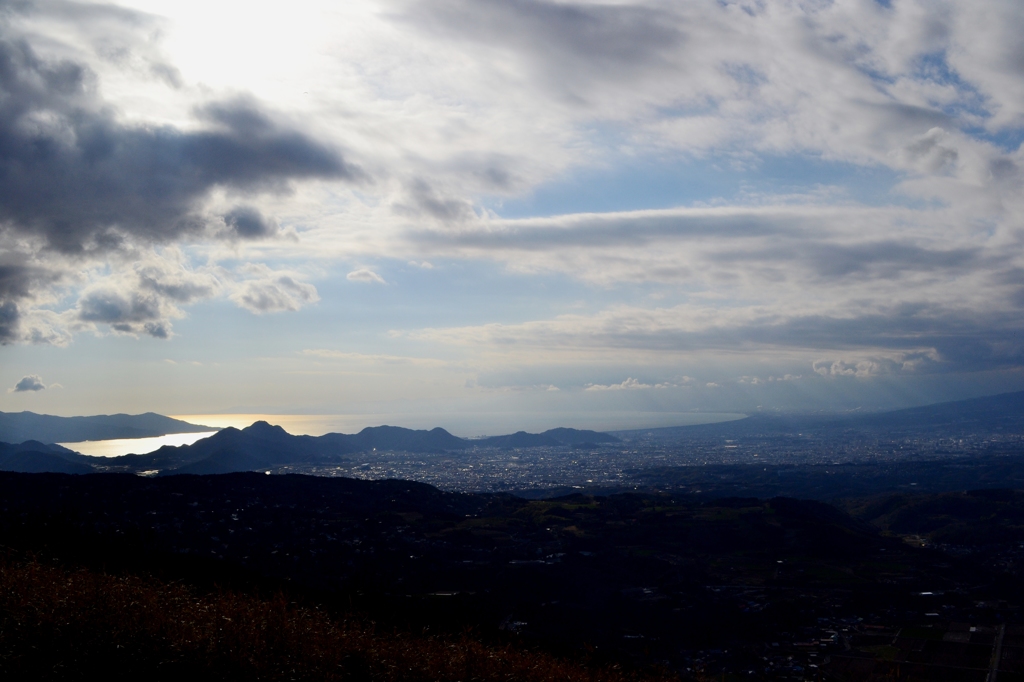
{"x":134,"y":446}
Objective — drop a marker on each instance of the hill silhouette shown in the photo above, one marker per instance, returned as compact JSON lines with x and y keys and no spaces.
{"x":398,"y":438}
{"x":549,"y":438}
{"x":256,"y":447}
{"x":33,"y":457}
{"x":17,"y":427}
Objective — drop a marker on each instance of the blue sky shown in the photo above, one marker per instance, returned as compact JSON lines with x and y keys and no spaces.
{"x":509,"y":208}
{"x":630,"y":184}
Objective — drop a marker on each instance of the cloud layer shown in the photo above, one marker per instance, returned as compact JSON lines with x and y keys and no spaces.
{"x":849,"y":198}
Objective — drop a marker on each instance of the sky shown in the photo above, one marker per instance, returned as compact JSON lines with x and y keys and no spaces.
{"x":497,"y":213}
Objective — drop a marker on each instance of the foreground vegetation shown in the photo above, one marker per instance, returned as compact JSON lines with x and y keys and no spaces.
{"x":60,"y":623}
{"x":391,"y":580}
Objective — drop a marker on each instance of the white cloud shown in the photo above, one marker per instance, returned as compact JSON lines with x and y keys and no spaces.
{"x":270,"y":291}
{"x":629,"y":384}
{"x":45,"y":327}
{"x":142,"y":296}
{"x":876,"y":365}
{"x":366,"y":276}
{"x":29,"y":383}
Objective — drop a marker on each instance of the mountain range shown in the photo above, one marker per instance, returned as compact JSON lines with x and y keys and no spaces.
{"x":263,"y":446}
{"x":991,"y":414}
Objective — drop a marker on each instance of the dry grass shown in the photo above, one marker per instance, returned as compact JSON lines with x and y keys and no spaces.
{"x":57,"y":623}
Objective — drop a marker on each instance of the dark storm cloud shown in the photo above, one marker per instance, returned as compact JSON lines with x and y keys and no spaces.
{"x":16,"y":283}
{"x":129,"y":313}
{"x":1013,"y":277}
{"x":177,"y":289}
{"x":71,"y":173}
{"x":570,"y":43}
{"x":17,"y":279}
{"x":9,"y":316}
{"x":32,"y":382}
{"x":246,"y":222}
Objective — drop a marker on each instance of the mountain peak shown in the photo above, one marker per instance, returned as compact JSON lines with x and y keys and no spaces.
{"x":263,"y":427}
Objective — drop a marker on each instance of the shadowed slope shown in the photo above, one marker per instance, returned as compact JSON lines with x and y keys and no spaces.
{"x":33,"y":457}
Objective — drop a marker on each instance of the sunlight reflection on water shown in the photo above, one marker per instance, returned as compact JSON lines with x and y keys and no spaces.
{"x":134,"y":446}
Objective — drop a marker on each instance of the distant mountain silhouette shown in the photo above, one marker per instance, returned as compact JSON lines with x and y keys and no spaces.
{"x":990,"y":413}
{"x":397,"y":438}
{"x":519,"y":439}
{"x":263,"y":446}
{"x":17,"y":427}
{"x":579,"y":436}
{"x":1005,"y":410}
{"x":550,"y":438}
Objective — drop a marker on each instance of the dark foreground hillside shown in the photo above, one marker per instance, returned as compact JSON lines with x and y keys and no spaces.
{"x":60,"y":624}
{"x":753,"y":589}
